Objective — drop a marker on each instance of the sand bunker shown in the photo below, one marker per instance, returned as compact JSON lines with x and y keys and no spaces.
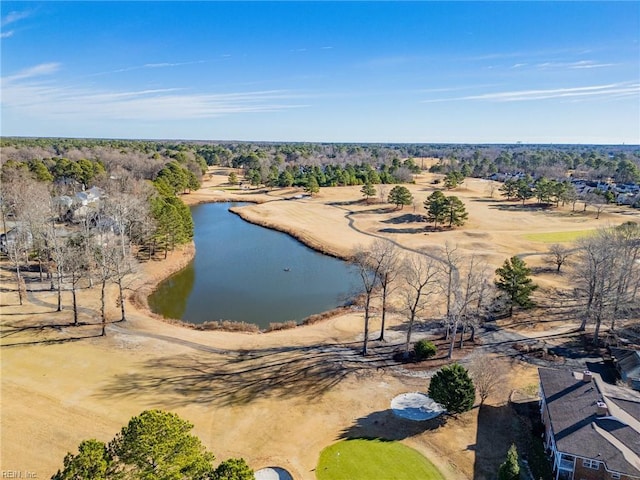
{"x":415,"y":406}
{"x":272,"y":473}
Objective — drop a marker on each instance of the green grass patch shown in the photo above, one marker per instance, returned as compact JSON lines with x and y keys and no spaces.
{"x":558,"y":237}
{"x":362,"y":459}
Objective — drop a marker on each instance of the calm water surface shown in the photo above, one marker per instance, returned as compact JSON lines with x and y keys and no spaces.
{"x":244,"y":272}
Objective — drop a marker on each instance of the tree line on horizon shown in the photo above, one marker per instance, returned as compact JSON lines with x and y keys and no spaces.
{"x":591,"y":162}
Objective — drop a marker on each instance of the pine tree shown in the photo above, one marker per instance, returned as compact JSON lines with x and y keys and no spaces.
{"x":515,"y":282}
{"x":510,"y":469}
{"x":368,"y":190}
{"x":456,"y":211}
{"x":453,"y":388}
{"x":436,"y":206}
{"x":400,"y":196}
{"x":312,"y":185}
{"x":233,"y":469}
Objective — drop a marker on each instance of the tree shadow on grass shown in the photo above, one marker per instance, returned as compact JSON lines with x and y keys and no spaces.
{"x":51,"y":341}
{"x":498,"y":428}
{"x":385,"y":425}
{"x":8,"y":330}
{"x":406,"y":218}
{"x":242,"y":377}
{"x":402,"y":230}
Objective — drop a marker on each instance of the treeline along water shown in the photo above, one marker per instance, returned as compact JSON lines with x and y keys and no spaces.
{"x":243,"y":272}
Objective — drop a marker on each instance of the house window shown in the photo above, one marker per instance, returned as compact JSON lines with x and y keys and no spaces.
{"x":615,"y":476}
{"x":595,"y":464}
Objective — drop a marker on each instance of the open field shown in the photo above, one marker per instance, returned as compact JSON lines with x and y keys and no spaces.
{"x":277,"y":398}
{"x":558,"y":237}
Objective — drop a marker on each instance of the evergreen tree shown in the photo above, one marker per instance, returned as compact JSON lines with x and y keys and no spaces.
{"x":285,"y":179}
{"x":436,"y":205}
{"x":452,"y":387}
{"x":400,"y":196}
{"x":508,"y":189}
{"x":155,"y":445}
{"x":456,"y":212}
{"x":368,"y":191}
{"x":158,"y":445}
{"x":524,"y":191}
{"x":233,"y":469}
{"x":312,"y":186}
{"x":510,"y":469}
{"x":514,"y":280}
{"x":93,"y":462}
{"x":453,"y":179}
{"x":40,"y":171}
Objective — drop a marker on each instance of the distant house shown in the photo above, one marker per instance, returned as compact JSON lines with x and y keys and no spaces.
{"x":17,"y":236}
{"x":592,"y":429}
{"x":81,"y":206}
{"x":88,"y":197}
{"x":627,"y":363}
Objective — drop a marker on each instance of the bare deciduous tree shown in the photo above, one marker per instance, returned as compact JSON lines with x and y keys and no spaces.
{"x":487,"y":373}
{"x":78,"y":266}
{"x":467,"y":290}
{"x":490,"y":188}
{"x":27,"y":200}
{"x":606,"y":274}
{"x":559,"y":255}
{"x":449,"y":270}
{"x":368,"y":268}
{"x":385,"y":253}
{"x":421,"y":282}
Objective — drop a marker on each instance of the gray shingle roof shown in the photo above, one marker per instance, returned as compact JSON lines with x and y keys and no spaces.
{"x":628,"y":361}
{"x":579,"y":431}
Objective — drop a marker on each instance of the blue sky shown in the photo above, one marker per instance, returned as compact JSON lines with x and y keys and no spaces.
{"x":463,"y":72}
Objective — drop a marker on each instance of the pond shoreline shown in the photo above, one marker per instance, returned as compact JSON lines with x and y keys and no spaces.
{"x":305,"y":240}
{"x":183,"y":255}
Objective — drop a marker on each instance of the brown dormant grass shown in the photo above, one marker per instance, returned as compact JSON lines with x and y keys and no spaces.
{"x":276,"y":398}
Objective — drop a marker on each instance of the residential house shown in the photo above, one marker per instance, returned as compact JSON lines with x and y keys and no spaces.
{"x":592,"y":429}
{"x":15,"y":239}
{"x":627,"y":363}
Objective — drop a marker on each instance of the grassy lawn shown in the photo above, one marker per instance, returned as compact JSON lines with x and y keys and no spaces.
{"x":558,"y":237}
{"x":361,"y":459}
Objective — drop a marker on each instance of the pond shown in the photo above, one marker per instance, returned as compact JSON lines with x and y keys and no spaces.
{"x":243,"y":272}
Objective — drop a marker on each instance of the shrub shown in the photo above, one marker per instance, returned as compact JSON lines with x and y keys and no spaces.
{"x":274,"y":326}
{"x":233,"y":469}
{"x":424,"y":349}
{"x":452,"y":387}
{"x":510,"y":470}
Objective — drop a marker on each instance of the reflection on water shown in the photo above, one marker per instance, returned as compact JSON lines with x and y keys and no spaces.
{"x":243,"y":272}
{"x":170,"y":298}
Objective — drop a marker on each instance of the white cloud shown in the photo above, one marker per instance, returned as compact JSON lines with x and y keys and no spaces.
{"x":574,"y":65}
{"x":614,"y":90}
{"x":7,"y":34}
{"x":13,"y":17}
{"x":32,"y":94}
{"x":167,"y":64}
{"x":145,"y":66}
{"x":590,"y":64}
{"x":35,"y":71}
